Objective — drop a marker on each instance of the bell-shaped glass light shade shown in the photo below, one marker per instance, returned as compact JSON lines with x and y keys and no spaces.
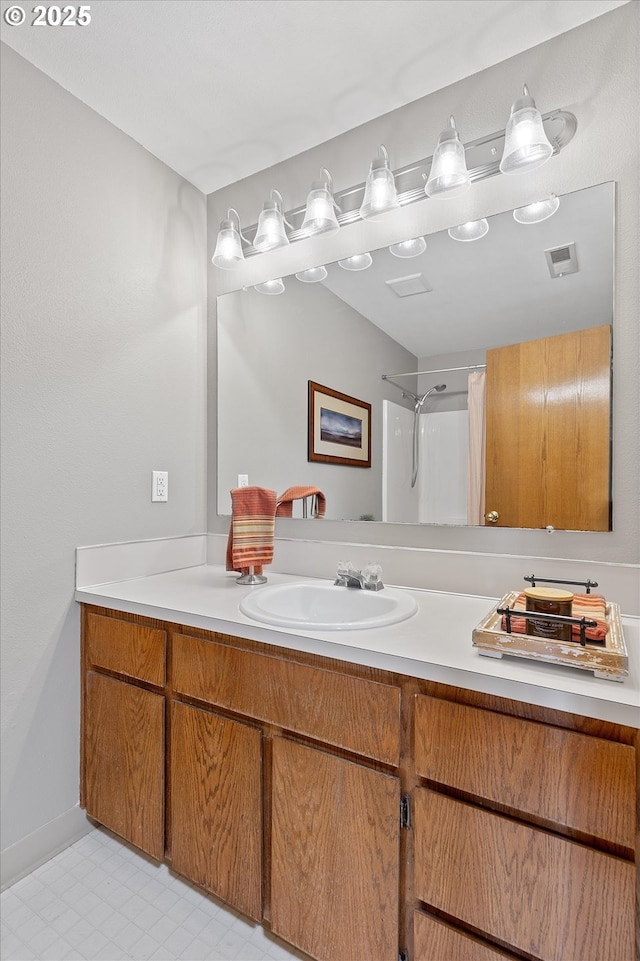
{"x":472,"y":230}
{"x":312,"y":275}
{"x":271,"y":287}
{"x":228,"y":252}
{"x":409,"y":248}
{"x":270,"y":233}
{"x":320,"y":214}
{"x":357,"y":262}
{"x":380,"y":189}
{"x":537,"y":212}
{"x":449,"y":176}
{"x":525,"y":143}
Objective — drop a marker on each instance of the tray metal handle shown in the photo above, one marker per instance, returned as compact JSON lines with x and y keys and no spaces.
{"x":582,"y":622}
{"x":552,"y":580}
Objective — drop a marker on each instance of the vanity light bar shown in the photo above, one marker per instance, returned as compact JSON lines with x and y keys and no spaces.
{"x":483,"y":161}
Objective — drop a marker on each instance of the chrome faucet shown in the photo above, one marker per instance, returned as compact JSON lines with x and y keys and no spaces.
{"x":368,"y":579}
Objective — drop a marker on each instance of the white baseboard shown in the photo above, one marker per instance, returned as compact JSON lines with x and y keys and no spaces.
{"x":26,"y":855}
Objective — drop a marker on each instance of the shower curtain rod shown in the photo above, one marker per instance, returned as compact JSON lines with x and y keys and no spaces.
{"x":441,"y":370}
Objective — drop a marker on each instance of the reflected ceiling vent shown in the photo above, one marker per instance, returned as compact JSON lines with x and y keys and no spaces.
{"x":409,"y":285}
{"x":562,"y":260}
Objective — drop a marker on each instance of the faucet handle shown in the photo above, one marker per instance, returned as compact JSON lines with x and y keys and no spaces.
{"x":372,"y":577}
{"x":343,"y":571}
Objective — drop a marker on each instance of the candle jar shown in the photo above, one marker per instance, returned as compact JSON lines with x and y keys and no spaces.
{"x":549,"y":600}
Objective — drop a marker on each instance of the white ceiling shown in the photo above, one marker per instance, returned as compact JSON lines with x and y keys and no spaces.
{"x":508,"y":295}
{"x":219,"y":89}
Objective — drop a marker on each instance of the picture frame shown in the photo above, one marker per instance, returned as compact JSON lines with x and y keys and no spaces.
{"x":339,"y":428}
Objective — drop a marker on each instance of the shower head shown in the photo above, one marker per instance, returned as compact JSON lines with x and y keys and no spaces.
{"x":437,"y":387}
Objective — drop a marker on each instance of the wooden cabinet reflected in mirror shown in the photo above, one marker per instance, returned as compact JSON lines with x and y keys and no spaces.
{"x":500,"y":302}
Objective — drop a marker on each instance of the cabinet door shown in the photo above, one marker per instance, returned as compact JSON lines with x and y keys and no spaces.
{"x":216,"y":805}
{"x":334,"y":855}
{"x":124,"y":760}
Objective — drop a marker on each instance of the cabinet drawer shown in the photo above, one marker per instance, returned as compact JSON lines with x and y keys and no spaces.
{"x":546,"y":896}
{"x":355,"y":714}
{"x":128,"y":648}
{"x":570,"y":779}
{"x":436,"y":941}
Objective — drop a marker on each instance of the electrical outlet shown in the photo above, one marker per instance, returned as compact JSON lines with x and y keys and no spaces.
{"x":243,"y":480}
{"x":160,"y":485}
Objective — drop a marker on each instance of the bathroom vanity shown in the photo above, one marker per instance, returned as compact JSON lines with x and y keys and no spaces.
{"x":364,"y":795}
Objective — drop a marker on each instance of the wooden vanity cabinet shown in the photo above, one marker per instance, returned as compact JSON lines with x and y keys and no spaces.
{"x":284,"y":774}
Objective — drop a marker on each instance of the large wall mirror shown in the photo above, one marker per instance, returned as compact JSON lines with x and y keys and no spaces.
{"x":486,"y":365}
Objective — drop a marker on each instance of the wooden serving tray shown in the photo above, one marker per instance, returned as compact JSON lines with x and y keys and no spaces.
{"x":608,"y":660}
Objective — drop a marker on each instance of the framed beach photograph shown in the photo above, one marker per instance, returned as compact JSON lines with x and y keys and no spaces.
{"x":339,"y":428}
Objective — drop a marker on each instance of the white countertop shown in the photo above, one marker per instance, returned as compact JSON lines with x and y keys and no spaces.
{"x":434,"y":644}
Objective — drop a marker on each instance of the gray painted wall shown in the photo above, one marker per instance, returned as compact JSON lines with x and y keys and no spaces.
{"x":263,"y":408}
{"x":591,"y":71}
{"x":103,"y":380}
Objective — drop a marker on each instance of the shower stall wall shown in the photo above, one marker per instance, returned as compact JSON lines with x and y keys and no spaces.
{"x":440,"y":494}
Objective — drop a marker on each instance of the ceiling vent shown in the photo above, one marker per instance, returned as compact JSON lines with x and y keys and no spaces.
{"x":562,"y":260}
{"x":408,"y":286}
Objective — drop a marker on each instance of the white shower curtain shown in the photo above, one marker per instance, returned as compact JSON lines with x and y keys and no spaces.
{"x":476,"y":473}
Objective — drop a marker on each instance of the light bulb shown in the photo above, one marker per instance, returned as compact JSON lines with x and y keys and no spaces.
{"x":536,"y":212}
{"x":449,"y":176}
{"x":472,"y":230}
{"x":271,"y":233}
{"x":525,"y":143}
{"x":271,"y":287}
{"x":312,"y":275}
{"x":409,"y":248}
{"x":320,"y":214}
{"x":357,"y":262}
{"x":380,"y":189}
{"x":228,"y":252}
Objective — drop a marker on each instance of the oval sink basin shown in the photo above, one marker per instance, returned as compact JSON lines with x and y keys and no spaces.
{"x":324,"y":607}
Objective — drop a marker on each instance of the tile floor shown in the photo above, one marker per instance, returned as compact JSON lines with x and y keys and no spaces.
{"x":101,"y":899}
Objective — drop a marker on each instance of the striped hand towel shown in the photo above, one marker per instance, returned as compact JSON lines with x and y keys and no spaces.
{"x":591,"y":606}
{"x":253,"y":519}
{"x":285,"y":501}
